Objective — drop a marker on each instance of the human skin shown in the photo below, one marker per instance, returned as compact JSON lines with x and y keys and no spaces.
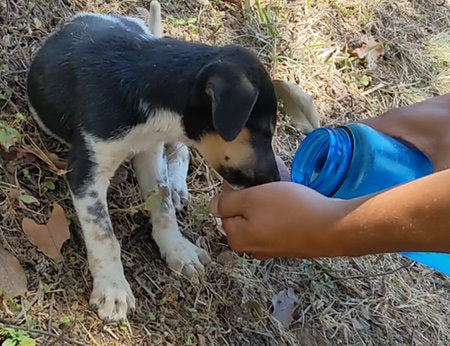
{"x":284,"y":219}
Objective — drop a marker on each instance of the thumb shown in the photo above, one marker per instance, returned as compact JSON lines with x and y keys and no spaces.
{"x":227,"y":204}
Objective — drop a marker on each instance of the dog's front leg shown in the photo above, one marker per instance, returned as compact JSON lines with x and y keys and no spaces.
{"x":180,"y":254}
{"x":89,"y":179}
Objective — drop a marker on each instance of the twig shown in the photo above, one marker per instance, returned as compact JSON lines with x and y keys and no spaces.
{"x":13,"y":72}
{"x":42,"y":332}
{"x":50,"y":313}
{"x":371,"y":275}
{"x":145,"y":288}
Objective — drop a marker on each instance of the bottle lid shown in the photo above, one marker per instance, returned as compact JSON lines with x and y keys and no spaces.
{"x":322,"y":160}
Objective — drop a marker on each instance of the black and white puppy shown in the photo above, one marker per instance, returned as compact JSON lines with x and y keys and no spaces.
{"x":111,"y":90}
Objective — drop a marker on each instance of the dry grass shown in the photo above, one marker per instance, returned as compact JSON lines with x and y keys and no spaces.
{"x":375,"y":300}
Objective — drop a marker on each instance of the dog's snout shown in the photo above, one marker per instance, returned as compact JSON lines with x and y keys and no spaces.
{"x":264,"y":178}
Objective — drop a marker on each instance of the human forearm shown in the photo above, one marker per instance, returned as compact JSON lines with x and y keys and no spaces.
{"x":411,"y":217}
{"x":426,"y":125}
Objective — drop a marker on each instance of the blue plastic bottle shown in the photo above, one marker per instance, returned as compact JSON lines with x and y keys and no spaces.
{"x":355,"y":160}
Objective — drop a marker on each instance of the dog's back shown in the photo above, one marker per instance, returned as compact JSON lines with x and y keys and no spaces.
{"x":56,"y":78}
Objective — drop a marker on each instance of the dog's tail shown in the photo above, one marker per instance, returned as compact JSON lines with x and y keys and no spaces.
{"x":154,"y":21}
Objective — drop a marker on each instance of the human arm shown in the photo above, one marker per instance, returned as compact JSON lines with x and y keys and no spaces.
{"x":426,"y":125}
{"x":290,"y":220}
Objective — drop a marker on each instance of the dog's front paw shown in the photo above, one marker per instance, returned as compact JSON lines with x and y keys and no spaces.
{"x":112,"y":297}
{"x":184,"y":257}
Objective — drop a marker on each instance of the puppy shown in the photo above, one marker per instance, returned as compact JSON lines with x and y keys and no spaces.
{"x":111,"y":90}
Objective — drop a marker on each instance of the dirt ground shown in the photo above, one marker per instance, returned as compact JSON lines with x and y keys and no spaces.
{"x":374,"y":300}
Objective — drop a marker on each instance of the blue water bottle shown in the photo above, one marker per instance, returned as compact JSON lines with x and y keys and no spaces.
{"x":355,"y":160}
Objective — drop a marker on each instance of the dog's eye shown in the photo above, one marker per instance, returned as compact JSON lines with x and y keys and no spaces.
{"x":227,"y":158}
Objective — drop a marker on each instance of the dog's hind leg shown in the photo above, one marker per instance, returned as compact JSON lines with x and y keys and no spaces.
{"x":177,"y":169}
{"x":88,"y":176}
{"x":180,"y":254}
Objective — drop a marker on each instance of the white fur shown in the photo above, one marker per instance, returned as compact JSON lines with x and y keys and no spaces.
{"x":177,"y":167}
{"x":112,"y":19}
{"x":111,"y":292}
{"x":181,"y":255}
{"x":145,"y":143}
{"x":155,"y":23}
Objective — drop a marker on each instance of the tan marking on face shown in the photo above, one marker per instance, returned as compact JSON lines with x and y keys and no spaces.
{"x":216,"y":150}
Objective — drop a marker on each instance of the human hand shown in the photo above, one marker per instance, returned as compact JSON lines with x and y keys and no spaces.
{"x":279,"y":219}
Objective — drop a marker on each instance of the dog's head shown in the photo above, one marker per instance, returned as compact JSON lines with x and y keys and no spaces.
{"x":235,"y":119}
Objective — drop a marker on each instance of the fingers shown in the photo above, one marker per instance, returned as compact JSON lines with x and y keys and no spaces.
{"x":228,"y":204}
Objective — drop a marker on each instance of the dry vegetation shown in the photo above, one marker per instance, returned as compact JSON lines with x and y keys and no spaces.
{"x":375,"y":300}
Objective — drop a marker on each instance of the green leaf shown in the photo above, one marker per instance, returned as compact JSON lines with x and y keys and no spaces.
{"x":50,"y":185}
{"x":19,"y":116}
{"x":154,"y":201}
{"x":151,"y":316}
{"x":47,"y":288}
{"x":22,"y":334}
{"x":4,"y":68}
{"x":37,"y":23}
{"x":242,"y":262}
{"x":124,"y":326}
{"x":9,"y":136}
{"x":30,"y":5}
{"x":9,"y":342}
{"x":12,"y":332}
{"x":189,"y":341}
{"x":364,"y":80}
{"x":27,"y":199}
{"x":27,"y":342}
{"x":66,"y":320}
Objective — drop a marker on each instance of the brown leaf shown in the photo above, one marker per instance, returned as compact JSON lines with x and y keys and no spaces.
{"x":201,"y":340}
{"x":8,"y":155}
{"x":49,"y":238}
{"x":371,"y":50}
{"x":12,"y":277}
{"x":226,"y":259}
{"x":120,"y":176}
{"x":361,"y":52}
{"x":59,"y":163}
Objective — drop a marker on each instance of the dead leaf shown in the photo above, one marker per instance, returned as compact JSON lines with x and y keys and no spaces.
{"x":284,"y":303}
{"x":201,"y":340}
{"x":8,"y":155}
{"x":120,"y":176}
{"x":59,"y":163}
{"x":12,"y":277}
{"x":298,"y":105}
{"x":371,"y":50}
{"x":49,"y":238}
{"x":226,"y":259}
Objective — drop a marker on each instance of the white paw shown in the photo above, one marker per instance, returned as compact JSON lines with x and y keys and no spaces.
{"x":112,"y":297}
{"x":184,"y":257}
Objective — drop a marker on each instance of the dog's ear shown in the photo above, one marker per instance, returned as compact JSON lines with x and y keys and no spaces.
{"x":232,"y":97}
